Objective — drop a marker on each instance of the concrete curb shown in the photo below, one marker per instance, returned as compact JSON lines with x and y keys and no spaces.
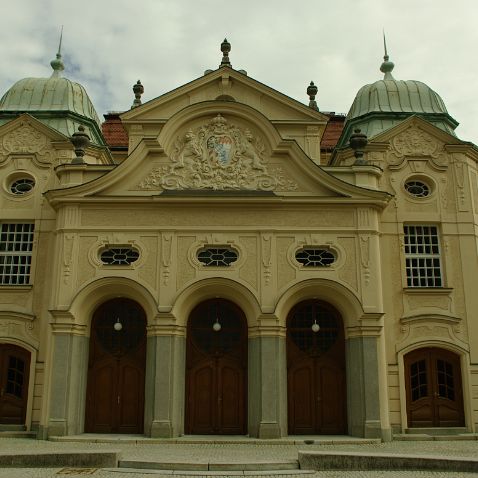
{"x":85,"y":459}
{"x":318,"y":460}
{"x":210,"y":466}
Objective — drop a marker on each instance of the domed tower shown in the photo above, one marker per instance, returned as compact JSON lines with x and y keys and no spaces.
{"x":385,"y":103}
{"x":56,"y":101}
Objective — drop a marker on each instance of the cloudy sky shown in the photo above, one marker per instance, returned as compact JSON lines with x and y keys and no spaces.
{"x":109,"y":44}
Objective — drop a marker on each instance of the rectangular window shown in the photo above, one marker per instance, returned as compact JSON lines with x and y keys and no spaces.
{"x":16,"y":243}
{"x":422,"y":256}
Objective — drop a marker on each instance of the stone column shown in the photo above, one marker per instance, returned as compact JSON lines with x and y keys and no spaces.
{"x":69,"y":368}
{"x":165,"y":383}
{"x":267,"y":383}
{"x":363,"y":390}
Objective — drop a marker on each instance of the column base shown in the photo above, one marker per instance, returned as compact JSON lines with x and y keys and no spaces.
{"x":161,"y":429}
{"x":268,"y":430}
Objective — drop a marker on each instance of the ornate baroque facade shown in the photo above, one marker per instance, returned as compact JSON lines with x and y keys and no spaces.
{"x":225,"y":271}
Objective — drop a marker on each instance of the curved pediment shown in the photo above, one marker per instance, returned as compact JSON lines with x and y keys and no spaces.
{"x":227,"y":149}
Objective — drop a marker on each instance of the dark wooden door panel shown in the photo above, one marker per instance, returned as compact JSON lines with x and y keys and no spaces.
{"x":216,"y":370}
{"x":14,"y":377}
{"x":331,"y":405}
{"x":201,"y":399}
{"x":101,"y":401}
{"x":433,"y":388}
{"x":130,"y":398}
{"x":315,"y":370}
{"x":302,"y":404}
{"x":117,"y":360}
{"x":231,"y":399}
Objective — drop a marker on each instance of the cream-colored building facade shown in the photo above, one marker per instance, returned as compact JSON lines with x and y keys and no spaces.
{"x":226,"y":276}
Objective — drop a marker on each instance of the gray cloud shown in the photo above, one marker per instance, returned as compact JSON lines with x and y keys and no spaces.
{"x":109,"y":44}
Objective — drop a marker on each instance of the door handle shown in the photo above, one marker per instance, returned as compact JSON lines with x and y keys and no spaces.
{"x":319,"y":398}
{"x":2,"y":391}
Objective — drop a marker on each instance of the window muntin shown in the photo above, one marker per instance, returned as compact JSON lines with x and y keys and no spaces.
{"x":16,"y":244}
{"x":119,"y":256}
{"x":22,"y":186}
{"x":418,"y":380}
{"x":315,"y":257}
{"x":422,"y":256}
{"x":418,"y":189}
{"x":217,"y":256}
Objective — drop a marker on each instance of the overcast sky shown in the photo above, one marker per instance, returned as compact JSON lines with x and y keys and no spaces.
{"x":109,"y":44}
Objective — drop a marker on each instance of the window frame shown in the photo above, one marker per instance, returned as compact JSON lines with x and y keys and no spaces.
{"x":8,"y":249}
{"x":428,"y":262}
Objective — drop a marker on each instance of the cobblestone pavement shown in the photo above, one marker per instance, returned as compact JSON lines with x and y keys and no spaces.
{"x":233,"y":453}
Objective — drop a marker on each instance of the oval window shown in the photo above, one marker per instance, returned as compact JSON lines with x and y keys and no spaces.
{"x":119,"y":256}
{"x":217,"y":256}
{"x":417,"y":188}
{"x":311,"y":257}
{"x":22,"y":186}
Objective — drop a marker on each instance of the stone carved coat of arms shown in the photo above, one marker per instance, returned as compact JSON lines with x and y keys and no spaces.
{"x":218,"y":156}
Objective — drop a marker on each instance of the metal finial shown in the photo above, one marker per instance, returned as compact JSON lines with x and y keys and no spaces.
{"x":358,"y":141}
{"x":387,"y":66}
{"x":57,"y":63}
{"x":61,"y":39}
{"x":225,"y":48}
{"x":312,"y":91}
{"x":80,"y":141}
{"x":138,"y":90}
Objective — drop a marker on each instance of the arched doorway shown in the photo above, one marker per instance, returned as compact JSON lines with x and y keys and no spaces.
{"x":14,"y":375}
{"x":116,"y":366}
{"x":434,"y":389}
{"x":315,"y":370}
{"x":216,"y":370}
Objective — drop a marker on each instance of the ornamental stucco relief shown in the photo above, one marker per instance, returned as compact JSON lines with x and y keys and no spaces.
{"x":24,"y":139}
{"x":416,"y":143}
{"x":218,"y":156}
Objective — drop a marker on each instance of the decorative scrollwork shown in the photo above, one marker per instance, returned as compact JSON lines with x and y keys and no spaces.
{"x":218,"y":156}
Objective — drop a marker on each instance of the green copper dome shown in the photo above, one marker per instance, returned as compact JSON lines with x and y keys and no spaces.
{"x":385,"y":103}
{"x":57,"y":102}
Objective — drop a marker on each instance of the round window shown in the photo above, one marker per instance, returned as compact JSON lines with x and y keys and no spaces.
{"x":22,"y":186}
{"x":417,"y":188}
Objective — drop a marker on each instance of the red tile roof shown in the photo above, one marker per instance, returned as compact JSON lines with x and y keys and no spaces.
{"x":332,"y":132}
{"x":114,"y":132}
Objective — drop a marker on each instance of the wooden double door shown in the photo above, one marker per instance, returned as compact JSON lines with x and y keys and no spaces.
{"x":315,"y":370}
{"x":14,"y":376}
{"x":116,"y":366}
{"x":216,"y":370}
{"x":434,"y":389}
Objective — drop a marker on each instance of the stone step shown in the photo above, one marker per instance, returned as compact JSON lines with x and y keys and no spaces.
{"x":215,"y":440}
{"x":423,"y":437}
{"x":436,"y":431}
{"x":17,"y":434}
{"x":271,"y":466}
{"x":203,"y":473}
{"x":336,"y":460}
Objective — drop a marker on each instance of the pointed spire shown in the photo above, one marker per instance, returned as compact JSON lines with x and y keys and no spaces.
{"x":138,"y":90}
{"x":387,"y":66}
{"x":225,"y":48}
{"x":57,"y":63}
{"x":312,"y":91}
